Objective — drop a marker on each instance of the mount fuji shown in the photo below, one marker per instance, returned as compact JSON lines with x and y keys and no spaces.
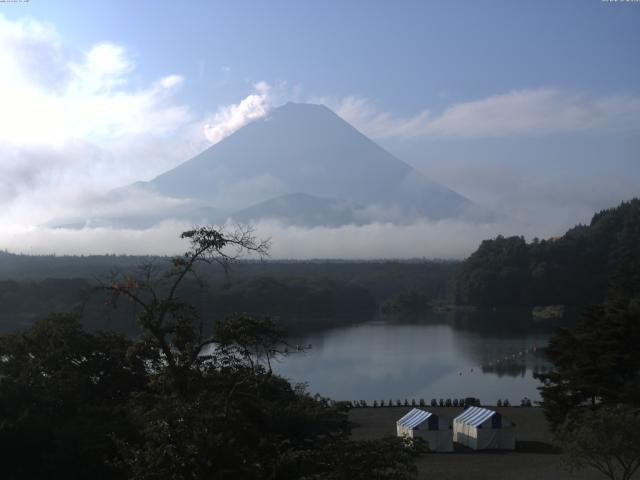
{"x":300,"y":165}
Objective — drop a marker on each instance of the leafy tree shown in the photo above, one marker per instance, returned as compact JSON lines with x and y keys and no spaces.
{"x":63,"y":394}
{"x":598,"y":361}
{"x":390,"y":458}
{"x":407,"y":303}
{"x":293,"y":295}
{"x":607,"y":439}
{"x":170,"y":323}
{"x":253,"y":339}
{"x":176,"y":402}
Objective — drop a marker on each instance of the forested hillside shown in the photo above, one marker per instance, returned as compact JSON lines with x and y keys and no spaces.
{"x":299,"y":292}
{"x":573,"y":269}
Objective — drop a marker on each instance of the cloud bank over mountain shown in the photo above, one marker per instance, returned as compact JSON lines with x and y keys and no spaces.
{"x":76,"y":123}
{"x":445,"y":239}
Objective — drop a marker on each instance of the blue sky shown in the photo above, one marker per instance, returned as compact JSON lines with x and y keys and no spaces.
{"x":530,"y":108}
{"x":406,"y":55}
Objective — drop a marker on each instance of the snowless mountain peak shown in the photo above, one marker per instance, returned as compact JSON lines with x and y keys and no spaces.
{"x":262,"y":169}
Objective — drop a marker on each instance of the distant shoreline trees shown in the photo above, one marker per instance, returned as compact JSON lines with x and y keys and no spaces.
{"x":569,"y":270}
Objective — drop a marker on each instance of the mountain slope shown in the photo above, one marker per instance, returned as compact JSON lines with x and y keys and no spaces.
{"x":308,"y":148}
{"x":304,"y":210}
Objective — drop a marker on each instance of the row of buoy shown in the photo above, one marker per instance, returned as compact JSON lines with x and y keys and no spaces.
{"x":513,"y":356}
{"x":506,"y":358}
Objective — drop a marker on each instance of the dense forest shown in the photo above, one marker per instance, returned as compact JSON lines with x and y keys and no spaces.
{"x":591,"y":395}
{"x":571,"y":270}
{"x":300,"y":293}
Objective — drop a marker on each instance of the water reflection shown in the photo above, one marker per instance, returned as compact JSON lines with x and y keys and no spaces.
{"x":436,"y":358}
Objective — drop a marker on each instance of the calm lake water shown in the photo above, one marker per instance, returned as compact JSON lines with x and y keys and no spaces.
{"x":382,"y":360}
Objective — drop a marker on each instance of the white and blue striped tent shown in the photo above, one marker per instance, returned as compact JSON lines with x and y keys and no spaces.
{"x":428,"y":426}
{"x":483,"y":429}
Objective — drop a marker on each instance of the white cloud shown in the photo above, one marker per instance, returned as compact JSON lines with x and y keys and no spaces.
{"x":441,"y":239}
{"x":103,"y":68}
{"x":73,"y":125}
{"x":86,"y":99}
{"x":171,"y":81}
{"x":362,"y":113}
{"x":230,"y":118}
{"x":535,"y":112}
{"x":438,"y":239}
{"x":518,"y":113}
{"x":68,"y":126}
{"x":159,"y":240}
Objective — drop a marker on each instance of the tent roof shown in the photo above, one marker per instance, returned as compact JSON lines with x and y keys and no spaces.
{"x":414,"y":418}
{"x":474,"y":416}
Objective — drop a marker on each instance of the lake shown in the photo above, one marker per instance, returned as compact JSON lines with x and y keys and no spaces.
{"x":438,"y":357}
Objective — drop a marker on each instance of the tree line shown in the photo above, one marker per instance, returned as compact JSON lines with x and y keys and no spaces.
{"x":573,"y":269}
{"x":302,"y":293}
{"x":591,"y":396}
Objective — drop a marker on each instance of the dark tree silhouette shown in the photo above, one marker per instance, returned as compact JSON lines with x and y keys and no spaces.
{"x":175,"y":402}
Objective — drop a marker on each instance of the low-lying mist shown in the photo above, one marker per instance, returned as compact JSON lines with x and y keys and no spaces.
{"x":448,"y":239}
